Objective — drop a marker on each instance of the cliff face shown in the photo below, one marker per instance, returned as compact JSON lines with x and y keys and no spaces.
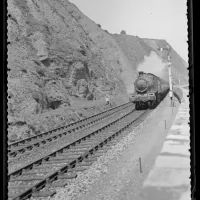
{"x":57,"y":55}
{"x":133,"y":47}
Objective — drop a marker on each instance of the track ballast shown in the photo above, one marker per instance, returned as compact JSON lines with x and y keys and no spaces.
{"x":40,"y":177}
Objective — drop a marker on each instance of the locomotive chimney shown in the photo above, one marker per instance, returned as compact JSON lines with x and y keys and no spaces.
{"x":140,"y":73}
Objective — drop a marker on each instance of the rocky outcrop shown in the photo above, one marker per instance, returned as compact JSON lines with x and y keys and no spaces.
{"x":133,"y":47}
{"x":55,"y":54}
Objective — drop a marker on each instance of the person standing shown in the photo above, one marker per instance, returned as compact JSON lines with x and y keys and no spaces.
{"x":107,"y":100}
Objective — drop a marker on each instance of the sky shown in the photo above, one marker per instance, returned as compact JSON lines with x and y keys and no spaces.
{"x":154,"y":19}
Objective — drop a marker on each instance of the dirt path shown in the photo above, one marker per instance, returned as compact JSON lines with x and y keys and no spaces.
{"x":123,"y":180}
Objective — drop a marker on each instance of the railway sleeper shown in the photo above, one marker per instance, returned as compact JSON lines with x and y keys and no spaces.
{"x":96,"y":154}
{"x":33,"y":172}
{"x":21,"y":178}
{"x":43,"y":193}
{"x":74,"y":152}
{"x":88,"y":139}
{"x":101,"y":151}
{"x":78,"y":168}
{"x":106,"y":146}
{"x":13,"y":158}
{"x":86,"y":145}
{"x":59,"y":184}
{"x":47,"y":166}
{"x":27,"y":148}
{"x":14,"y":149}
{"x":89,"y":146}
{"x":83,"y":163}
{"x":12,"y":194}
{"x":21,"y":145}
{"x":10,"y":187}
{"x":56,"y":161}
{"x":12,"y":154}
{"x":90,"y":159}
{"x":62,"y":158}
{"x":81,"y":150}
{"x":67,"y":176}
{"x":69,"y":154}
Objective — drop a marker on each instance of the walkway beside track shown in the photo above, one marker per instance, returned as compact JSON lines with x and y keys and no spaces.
{"x":169,"y":179}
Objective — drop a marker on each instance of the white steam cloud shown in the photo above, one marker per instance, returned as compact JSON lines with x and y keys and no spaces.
{"x":153,"y":64}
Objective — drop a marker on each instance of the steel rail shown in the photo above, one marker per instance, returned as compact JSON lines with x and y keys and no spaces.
{"x":57,"y":135}
{"x":60,"y":128}
{"x":50,"y":178}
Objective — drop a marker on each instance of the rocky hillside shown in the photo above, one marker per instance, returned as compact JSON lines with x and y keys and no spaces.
{"x":133,"y":47}
{"x":57,"y":55}
{"x":59,"y":58}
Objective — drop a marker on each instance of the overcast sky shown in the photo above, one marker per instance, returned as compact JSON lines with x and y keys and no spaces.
{"x":156,"y":19}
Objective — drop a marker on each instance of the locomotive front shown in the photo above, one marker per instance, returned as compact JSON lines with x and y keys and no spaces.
{"x":145,"y":88}
{"x":141,"y":85}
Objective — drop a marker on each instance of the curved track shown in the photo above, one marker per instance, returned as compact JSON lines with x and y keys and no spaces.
{"x":31,"y":143}
{"x":40,"y":177}
{"x":29,"y":156}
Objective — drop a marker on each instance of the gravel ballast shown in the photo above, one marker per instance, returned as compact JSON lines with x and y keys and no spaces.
{"x":85,"y":180}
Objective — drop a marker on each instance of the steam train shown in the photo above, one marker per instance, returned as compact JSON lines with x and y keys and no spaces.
{"x":149,"y":91}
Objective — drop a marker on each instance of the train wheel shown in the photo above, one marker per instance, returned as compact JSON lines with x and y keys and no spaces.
{"x":154,"y":103}
{"x":149,"y":104}
{"x":137,"y":106}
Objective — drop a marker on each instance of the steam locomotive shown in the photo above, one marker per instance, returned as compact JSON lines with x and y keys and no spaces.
{"x":149,"y":91}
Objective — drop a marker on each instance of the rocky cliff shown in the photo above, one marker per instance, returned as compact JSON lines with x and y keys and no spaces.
{"x":55,"y":56}
{"x":59,"y":58}
{"x":133,"y":47}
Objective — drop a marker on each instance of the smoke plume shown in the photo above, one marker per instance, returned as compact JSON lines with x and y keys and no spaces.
{"x":153,"y":64}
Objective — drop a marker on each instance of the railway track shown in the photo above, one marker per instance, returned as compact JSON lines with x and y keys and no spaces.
{"x":41,"y":177}
{"x":29,"y":156}
{"x":18,"y":148}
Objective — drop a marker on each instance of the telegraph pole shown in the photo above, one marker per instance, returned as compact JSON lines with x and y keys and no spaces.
{"x":170,"y":80}
{"x":169,"y":71}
